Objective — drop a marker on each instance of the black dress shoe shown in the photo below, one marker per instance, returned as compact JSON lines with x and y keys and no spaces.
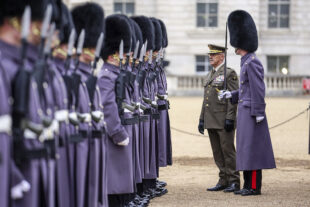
{"x":161,"y":183}
{"x":232,"y":188}
{"x":249,"y":192}
{"x":239,"y":192}
{"x":160,"y":192}
{"x":218,"y":187}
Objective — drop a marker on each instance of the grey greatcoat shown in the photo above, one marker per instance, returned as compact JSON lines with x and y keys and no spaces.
{"x":254,"y":148}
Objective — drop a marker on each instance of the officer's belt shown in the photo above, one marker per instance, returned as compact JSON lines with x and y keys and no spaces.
{"x":148,"y":111}
{"x":155,"y":116}
{"x":75,"y":138}
{"x":143,"y":118}
{"x":130,"y":121}
{"x":83,"y":133}
{"x":5,"y":124}
{"x":35,"y":153}
{"x":163,"y":107}
{"x":96,"y":134}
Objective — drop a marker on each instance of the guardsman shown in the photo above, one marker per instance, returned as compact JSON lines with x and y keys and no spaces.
{"x":88,"y":20}
{"x":218,"y":117}
{"x":164,"y":134}
{"x":13,"y":185}
{"x":150,"y":173}
{"x":111,"y":81}
{"x":165,"y":153}
{"x":90,"y":17}
{"x":254,"y":148}
{"x":60,"y":61}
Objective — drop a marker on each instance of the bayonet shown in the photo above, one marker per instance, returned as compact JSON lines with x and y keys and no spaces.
{"x":26,"y":23}
{"x":121,"y":54}
{"x":98,"y":50}
{"x":71,"y":43}
{"x":70,"y":49}
{"x":79,"y":48}
{"x":150,"y":57}
{"x":47,"y":48}
{"x":45,"y":26}
{"x":135,"y":55}
{"x":80,"y":42}
{"x":26,"y":19}
{"x":141,"y":54}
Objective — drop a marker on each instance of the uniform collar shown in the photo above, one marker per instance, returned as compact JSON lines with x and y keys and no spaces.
{"x":218,"y":67}
{"x":245,"y":57}
{"x":85,"y":68}
{"x":11,"y":51}
{"x":112,"y":68}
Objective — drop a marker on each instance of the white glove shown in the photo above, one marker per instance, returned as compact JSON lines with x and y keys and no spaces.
{"x":18,"y":190}
{"x":224,"y":94}
{"x":124,"y":143}
{"x":259,"y":119}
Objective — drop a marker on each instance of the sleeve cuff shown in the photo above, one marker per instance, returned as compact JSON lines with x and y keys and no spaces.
{"x":258,"y":109}
{"x":234,"y":97}
{"x":119,"y":136}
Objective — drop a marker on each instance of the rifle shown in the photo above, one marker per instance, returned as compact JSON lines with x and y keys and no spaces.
{"x":120,"y":87}
{"x":91,"y":82}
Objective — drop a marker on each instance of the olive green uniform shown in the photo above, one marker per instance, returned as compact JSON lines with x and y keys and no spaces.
{"x":214,"y":112}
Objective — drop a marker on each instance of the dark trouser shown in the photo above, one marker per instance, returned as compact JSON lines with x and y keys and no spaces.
{"x":224,"y":155}
{"x":117,"y":200}
{"x":252,"y":179}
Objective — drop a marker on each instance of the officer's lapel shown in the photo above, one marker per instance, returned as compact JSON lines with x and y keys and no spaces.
{"x":218,"y":72}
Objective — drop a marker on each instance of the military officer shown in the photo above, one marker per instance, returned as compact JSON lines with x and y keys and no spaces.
{"x":254,"y":148}
{"x":218,"y":117}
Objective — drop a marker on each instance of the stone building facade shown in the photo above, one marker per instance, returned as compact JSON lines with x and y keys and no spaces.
{"x":283,"y":26}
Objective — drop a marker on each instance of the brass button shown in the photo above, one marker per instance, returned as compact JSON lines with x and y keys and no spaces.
{"x":207,"y":98}
{"x":207,"y":105}
{"x":209,"y":86}
{"x":45,"y":85}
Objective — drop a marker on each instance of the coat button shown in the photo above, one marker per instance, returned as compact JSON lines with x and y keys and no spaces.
{"x":207,"y":105}
{"x":207,"y":98}
{"x":242,"y":82}
{"x":209,"y":86}
{"x":246,"y":63}
{"x":240,"y":100}
{"x":243,"y":72}
{"x":241,"y":91}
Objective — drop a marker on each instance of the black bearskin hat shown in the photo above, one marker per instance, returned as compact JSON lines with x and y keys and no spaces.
{"x":133,"y":35}
{"x":158,"y":34}
{"x":138,"y":35}
{"x":164,"y":32}
{"x":147,"y":30}
{"x":117,"y":29}
{"x":242,"y":30}
{"x":66,"y":25}
{"x":12,"y":8}
{"x":89,"y":16}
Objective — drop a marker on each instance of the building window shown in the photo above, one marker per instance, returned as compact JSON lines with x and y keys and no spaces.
{"x":124,"y":7}
{"x":278,"y":64}
{"x":207,"y":13}
{"x":278,"y":13}
{"x":202,"y":64}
